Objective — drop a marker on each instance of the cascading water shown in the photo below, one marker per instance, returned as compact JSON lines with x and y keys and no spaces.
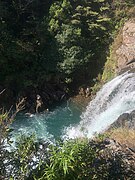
{"x":115,"y":98}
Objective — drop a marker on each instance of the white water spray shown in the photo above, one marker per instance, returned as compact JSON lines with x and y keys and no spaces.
{"x":115,"y":98}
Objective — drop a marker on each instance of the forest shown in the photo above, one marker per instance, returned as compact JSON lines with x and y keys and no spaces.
{"x":56,"y":42}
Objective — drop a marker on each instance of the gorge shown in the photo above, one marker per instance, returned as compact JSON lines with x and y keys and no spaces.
{"x":67,"y":90}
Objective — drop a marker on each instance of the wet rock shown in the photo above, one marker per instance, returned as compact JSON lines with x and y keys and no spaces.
{"x":108,"y":141}
{"x":125,"y":120}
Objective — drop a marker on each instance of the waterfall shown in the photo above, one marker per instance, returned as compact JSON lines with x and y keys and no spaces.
{"x":115,"y":98}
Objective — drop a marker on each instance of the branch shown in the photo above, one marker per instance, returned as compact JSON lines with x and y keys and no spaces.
{"x":20,"y":105}
{"x":2,"y":91}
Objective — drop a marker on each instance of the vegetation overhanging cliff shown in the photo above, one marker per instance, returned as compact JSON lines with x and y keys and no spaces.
{"x":53,"y":48}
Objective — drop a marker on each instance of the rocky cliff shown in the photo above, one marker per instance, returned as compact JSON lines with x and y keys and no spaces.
{"x":122,"y":59}
{"x":125,"y":54}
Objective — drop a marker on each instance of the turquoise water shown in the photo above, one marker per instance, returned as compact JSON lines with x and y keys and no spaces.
{"x":67,"y":121}
{"x":49,"y":125}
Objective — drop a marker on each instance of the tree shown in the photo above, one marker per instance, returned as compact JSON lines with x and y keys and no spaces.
{"x":81,"y":29}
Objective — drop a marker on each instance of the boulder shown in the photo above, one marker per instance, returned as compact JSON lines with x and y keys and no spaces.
{"x":125,"y":120}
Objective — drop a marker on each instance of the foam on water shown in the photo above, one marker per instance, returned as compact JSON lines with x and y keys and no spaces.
{"x":115,"y":98}
{"x":46,"y":126}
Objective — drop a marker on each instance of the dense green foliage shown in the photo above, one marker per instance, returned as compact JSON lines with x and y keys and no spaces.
{"x":54,"y":40}
{"x":23,"y":40}
{"x":81,"y":30}
{"x":72,"y":160}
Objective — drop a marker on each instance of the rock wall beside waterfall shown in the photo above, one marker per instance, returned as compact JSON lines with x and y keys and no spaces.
{"x":125,"y":120}
{"x":125,"y":54}
{"x":122,"y":52}
{"x":125,"y":57}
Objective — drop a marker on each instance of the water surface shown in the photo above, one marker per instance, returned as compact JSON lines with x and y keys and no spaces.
{"x":49,"y":125}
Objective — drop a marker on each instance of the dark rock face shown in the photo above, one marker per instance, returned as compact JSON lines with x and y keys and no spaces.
{"x":50,"y":94}
{"x":123,"y":153}
{"x":125,"y":120}
{"x":7,"y":97}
